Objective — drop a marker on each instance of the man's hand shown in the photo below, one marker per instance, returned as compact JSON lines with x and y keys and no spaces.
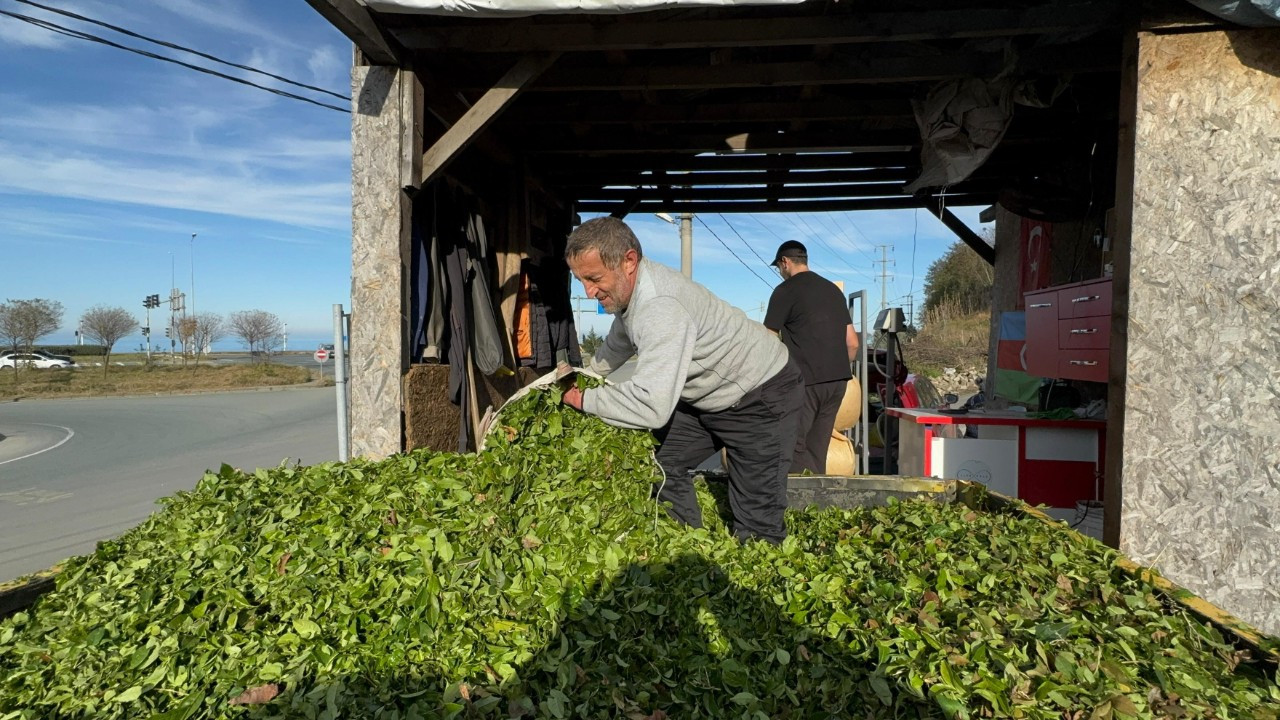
{"x":573,"y":398}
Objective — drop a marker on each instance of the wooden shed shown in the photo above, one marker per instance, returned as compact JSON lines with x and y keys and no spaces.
{"x":1147,"y":133}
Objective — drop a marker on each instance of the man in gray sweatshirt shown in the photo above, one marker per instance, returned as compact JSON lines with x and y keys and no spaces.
{"x":707,"y":377}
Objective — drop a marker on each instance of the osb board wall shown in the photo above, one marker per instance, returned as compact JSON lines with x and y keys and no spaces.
{"x":379,"y":234}
{"x":1201,"y":474}
{"x":431,"y":420}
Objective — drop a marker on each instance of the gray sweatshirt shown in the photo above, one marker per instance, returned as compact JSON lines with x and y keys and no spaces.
{"x":691,"y":346}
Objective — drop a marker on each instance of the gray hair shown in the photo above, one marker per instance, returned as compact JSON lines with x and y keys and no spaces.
{"x":608,"y":236}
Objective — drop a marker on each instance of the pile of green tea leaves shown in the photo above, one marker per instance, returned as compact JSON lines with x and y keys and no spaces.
{"x":537,"y":579}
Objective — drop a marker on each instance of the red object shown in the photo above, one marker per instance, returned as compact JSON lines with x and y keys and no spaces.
{"x":1069,"y":331}
{"x":322,"y":355}
{"x":1053,"y":481}
{"x":1036,"y":240}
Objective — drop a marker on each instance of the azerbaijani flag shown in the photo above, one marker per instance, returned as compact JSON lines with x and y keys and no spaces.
{"x":1012,"y":381}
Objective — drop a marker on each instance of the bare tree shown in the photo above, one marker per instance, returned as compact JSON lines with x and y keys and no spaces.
{"x":186,"y":335}
{"x":209,"y":328}
{"x":106,"y":325}
{"x":258,"y":329}
{"x":23,"y":322}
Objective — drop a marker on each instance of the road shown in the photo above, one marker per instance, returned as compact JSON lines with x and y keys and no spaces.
{"x":73,"y":472}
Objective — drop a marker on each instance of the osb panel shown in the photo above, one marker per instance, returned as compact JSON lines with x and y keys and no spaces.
{"x":377,"y":275}
{"x":1202,"y":421}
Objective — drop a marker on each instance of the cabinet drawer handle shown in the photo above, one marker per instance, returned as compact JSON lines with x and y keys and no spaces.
{"x":1088,"y":331}
{"x":1086,"y":363}
{"x":1040,"y":305}
{"x":1086,"y":298}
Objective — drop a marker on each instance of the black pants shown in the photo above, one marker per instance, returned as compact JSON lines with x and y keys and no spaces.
{"x":813,"y":430}
{"x":759,"y":434}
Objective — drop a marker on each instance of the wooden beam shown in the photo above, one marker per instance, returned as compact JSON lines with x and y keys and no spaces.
{"x":685,"y":113}
{"x":866,"y":69}
{"x":896,"y":203}
{"x":755,"y":31}
{"x":962,"y":231}
{"x":607,"y":177}
{"x":850,"y":140}
{"x":771,"y":191}
{"x":356,"y":22}
{"x":483,"y":112}
{"x":562,"y":166}
{"x":766,"y":142}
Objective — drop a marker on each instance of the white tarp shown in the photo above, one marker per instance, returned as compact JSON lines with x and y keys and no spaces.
{"x":514,"y":8}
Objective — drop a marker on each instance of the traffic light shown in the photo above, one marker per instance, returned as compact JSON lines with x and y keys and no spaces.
{"x":151,"y":301}
{"x":146,"y":330}
{"x":166,"y":332}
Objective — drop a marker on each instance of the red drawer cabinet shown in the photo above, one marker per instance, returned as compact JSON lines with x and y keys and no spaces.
{"x":1069,"y":331}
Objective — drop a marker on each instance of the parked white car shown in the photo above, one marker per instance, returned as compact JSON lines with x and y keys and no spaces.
{"x":28,"y":360}
{"x":46,"y":355}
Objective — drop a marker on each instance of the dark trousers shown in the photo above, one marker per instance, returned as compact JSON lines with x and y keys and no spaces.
{"x":759,"y":435}
{"x":813,"y":430}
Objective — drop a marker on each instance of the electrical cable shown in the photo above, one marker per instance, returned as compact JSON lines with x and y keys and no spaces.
{"x":69,"y":32}
{"x":731,"y":252}
{"x":174,"y":46}
{"x":818,"y":236}
{"x":915,"y":230}
{"x":744,"y":240}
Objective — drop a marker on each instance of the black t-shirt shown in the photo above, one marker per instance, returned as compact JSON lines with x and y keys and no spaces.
{"x":809,"y":312}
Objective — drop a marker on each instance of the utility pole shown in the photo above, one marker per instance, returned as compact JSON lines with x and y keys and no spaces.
{"x":686,"y":240}
{"x":686,"y":244}
{"x":884,"y":262}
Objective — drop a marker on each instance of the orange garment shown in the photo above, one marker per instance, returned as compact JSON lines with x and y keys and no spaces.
{"x":524,"y":338}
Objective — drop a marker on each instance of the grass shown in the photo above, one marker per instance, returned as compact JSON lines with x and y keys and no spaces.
{"x":142,"y":380}
{"x":949,"y":338}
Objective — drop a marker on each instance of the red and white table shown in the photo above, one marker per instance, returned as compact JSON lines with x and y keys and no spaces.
{"x":1051,"y":462}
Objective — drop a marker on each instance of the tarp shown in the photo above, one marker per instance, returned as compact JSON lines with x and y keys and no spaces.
{"x":1250,"y":13}
{"x":516,"y":8}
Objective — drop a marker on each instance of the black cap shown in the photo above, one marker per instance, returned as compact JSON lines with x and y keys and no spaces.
{"x":791,"y":249}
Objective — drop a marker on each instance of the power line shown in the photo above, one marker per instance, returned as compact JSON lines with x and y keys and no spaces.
{"x":849,"y":219}
{"x":836,"y":231}
{"x":174,"y":46}
{"x":69,"y":32}
{"x":838,"y":255}
{"x":744,"y":240}
{"x":731,"y":252}
{"x":915,"y":229}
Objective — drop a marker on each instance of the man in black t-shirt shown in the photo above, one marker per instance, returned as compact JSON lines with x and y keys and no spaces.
{"x":809,"y":313}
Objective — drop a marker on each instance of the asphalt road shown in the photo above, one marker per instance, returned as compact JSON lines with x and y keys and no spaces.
{"x":73,"y":472}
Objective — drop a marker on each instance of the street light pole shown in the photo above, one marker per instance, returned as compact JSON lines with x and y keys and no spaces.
{"x":686,"y":240}
{"x":193,"y":275}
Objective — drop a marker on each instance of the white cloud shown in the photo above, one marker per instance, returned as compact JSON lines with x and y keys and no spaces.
{"x":327,"y":69}
{"x":314,"y":204}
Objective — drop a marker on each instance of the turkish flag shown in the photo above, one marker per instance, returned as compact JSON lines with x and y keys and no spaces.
{"x":1035,"y":239}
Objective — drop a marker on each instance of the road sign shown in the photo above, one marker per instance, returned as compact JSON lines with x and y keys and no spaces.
{"x":322,"y":355}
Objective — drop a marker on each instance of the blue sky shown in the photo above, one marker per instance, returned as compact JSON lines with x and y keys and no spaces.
{"x":110,"y":161}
